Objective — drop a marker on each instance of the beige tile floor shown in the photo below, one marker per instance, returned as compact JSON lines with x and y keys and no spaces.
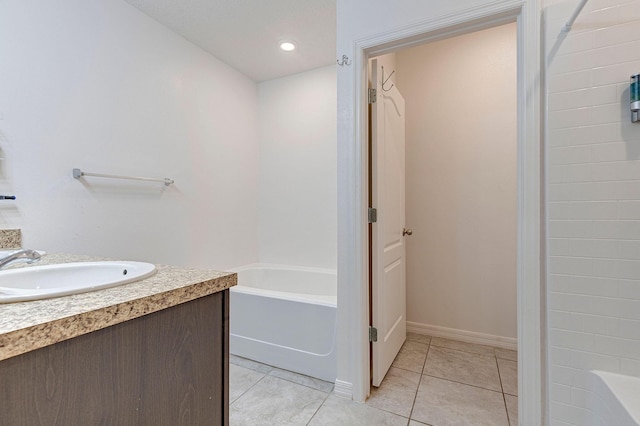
{"x":432,"y":381}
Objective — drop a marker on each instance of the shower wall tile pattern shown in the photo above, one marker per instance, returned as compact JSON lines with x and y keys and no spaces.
{"x":593,"y":193}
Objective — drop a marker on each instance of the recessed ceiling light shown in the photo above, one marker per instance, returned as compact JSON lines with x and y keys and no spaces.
{"x":287,"y":46}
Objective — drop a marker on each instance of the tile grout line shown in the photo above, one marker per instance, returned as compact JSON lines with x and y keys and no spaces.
{"x":385,"y":410}
{"x":504,"y":398}
{"x":415,"y":396}
{"x":272,"y":369}
{"x":328,"y":394}
{"x":297,"y":383}
{"x":494,"y":356}
{"x":318,"y":409}
{"x":249,"y":388}
{"x":462,"y":350}
{"x":463,"y":383}
{"x":455,"y":381}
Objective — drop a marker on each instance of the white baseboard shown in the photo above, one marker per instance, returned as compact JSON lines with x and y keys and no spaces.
{"x":463,"y":335}
{"x":343,"y":389}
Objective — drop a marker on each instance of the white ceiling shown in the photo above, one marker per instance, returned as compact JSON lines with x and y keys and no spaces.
{"x":245,"y":34}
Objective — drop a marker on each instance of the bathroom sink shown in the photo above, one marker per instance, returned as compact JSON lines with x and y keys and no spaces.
{"x":42,"y":282}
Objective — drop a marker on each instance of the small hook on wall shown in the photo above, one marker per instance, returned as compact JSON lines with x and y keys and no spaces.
{"x":345,"y":61}
{"x":387,"y":79}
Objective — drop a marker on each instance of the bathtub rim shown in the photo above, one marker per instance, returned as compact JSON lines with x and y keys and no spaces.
{"x":618,"y":392}
{"x":278,"y":266}
{"x":296,"y":297}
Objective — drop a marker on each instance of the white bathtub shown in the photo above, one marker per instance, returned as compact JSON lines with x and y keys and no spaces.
{"x":615,"y":399}
{"x":286,"y":317}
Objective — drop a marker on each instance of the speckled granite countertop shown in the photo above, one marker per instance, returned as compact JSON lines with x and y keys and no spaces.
{"x":25,"y":326}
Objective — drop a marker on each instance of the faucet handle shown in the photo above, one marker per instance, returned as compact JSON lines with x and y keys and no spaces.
{"x":32,"y":255}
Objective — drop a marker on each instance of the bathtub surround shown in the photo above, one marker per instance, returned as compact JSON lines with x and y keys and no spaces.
{"x":461,"y":185}
{"x":593,"y":202}
{"x":297,"y":134}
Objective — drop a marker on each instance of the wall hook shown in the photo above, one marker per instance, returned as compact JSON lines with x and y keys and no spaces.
{"x":385,"y":81}
{"x":345,"y":61}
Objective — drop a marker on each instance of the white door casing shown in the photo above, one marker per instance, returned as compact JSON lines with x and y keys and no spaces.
{"x":389,"y":250}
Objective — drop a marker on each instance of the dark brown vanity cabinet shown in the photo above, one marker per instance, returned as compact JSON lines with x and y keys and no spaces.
{"x":169,"y":367}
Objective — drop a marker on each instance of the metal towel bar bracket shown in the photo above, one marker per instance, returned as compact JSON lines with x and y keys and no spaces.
{"x":77,"y":173}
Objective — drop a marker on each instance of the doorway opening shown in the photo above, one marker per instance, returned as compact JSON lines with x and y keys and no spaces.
{"x":460,"y":174}
{"x":529,"y":251}
{"x":443,"y":249}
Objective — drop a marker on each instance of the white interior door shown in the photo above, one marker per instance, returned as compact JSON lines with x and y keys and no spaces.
{"x":388,"y":197}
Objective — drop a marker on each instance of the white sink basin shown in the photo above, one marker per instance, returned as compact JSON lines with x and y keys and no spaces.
{"x":42,"y":282}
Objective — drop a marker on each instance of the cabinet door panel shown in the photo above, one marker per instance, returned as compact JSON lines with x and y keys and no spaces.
{"x":166,"y":368}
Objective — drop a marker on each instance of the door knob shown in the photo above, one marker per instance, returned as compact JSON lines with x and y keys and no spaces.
{"x":406,"y":231}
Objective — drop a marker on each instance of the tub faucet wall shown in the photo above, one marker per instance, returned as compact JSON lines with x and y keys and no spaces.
{"x":298,"y":177}
{"x":593,"y":200}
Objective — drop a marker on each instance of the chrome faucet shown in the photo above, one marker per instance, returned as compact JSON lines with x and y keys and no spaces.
{"x":29,"y":255}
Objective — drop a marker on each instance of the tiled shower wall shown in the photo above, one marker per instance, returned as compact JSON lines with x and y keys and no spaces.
{"x":593,"y":195}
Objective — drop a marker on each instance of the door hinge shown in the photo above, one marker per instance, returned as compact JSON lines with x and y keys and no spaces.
{"x":373,"y":215}
{"x":372,"y":96}
{"x":373,"y":334}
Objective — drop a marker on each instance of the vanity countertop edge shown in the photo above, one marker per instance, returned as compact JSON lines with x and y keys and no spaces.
{"x":26,"y":326}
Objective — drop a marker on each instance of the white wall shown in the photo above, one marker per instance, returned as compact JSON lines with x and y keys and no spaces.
{"x":359,"y":18}
{"x":297,"y":133}
{"x":461,"y":156}
{"x":100,"y":86}
{"x":593,"y":200}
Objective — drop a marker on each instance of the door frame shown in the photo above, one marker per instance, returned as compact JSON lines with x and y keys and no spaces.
{"x":354,"y":269}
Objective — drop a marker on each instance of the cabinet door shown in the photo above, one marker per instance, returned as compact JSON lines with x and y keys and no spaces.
{"x":165,"y":368}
